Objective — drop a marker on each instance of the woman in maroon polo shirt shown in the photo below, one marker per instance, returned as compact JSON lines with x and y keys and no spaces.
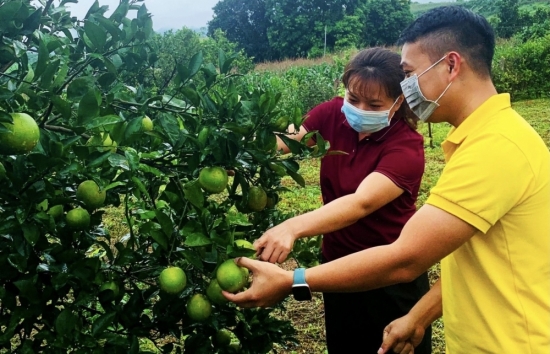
{"x":368,"y":194}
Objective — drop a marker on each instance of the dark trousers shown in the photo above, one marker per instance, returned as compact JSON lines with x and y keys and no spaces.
{"x":355,"y":321}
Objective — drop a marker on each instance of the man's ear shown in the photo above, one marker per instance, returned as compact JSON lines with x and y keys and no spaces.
{"x":454,"y":63}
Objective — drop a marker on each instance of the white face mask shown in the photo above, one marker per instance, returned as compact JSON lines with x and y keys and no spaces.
{"x":419,"y":104}
{"x":366,"y":121}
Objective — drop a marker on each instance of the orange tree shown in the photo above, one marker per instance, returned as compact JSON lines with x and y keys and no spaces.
{"x":107,"y":138}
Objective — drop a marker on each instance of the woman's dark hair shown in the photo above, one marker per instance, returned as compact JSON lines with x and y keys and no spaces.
{"x":381,"y":66}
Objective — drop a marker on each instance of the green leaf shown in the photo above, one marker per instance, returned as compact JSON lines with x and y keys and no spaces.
{"x":96,"y":34}
{"x":47,"y":77}
{"x":119,"y":161}
{"x":102,"y":322}
{"x":165,"y":223}
{"x":62,"y":107}
{"x":88,"y":107}
{"x":141,"y":187}
{"x":193,"y":258}
{"x":8,"y":10}
{"x":103,"y":121}
{"x":65,"y":322}
{"x":31,"y":233}
{"x":113,"y":30}
{"x":171,"y":128}
{"x":159,"y":238}
{"x":133,"y":159}
{"x":195,"y":64}
{"x":42,"y":61}
{"x":194,"y":194}
{"x":197,"y":239}
{"x":294,"y":146}
{"x":5,"y":117}
{"x":79,"y":87}
{"x":297,"y":177}
{"x":98,"y":161}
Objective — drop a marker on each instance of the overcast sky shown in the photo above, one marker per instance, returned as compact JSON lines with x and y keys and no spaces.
{"x":166,"y":13}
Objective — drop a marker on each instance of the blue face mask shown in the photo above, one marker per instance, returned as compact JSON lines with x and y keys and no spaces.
{"x":366,"y":121}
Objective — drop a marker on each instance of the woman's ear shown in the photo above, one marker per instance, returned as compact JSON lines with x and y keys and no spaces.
{"x":398,"y":103}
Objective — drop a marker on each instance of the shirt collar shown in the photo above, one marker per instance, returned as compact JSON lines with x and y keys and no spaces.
{"x":479,"y":117}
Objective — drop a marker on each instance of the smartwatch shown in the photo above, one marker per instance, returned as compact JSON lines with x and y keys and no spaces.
{"x":300,"y":289}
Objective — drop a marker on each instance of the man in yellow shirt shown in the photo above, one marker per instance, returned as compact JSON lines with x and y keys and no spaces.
{"x":487,"y":219}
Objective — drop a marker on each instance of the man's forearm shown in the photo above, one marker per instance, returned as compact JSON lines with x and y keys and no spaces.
{"x":429,"y":308}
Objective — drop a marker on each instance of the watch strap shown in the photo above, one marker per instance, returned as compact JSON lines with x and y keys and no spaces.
{"x":299,"y":276}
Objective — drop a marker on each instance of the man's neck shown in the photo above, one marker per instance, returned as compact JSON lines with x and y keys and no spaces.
{"x":474,"y":96}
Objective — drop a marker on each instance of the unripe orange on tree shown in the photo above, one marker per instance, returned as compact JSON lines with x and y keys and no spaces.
{"x":214,"y":293}
{"x":22,"y":137}
{"x":111,"y":285}
{"x":198,"y":308}
{"x":78,"y":218}
{"x":213,"y":179}
{"x":147,"y":124}
{"x":102,"y":142}
{"x":257,"y":198}
{"x":231,"y":277}
{"x":172,"y":280}
{"x":88,"y":192}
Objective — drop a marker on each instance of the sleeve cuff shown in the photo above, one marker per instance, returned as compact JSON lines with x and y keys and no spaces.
{"x":460,"y":212}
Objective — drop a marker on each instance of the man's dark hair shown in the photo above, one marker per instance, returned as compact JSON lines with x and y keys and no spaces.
{"x":447,"y":28}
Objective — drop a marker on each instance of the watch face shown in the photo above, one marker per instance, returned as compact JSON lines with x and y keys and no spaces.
{"x":301,"y":292}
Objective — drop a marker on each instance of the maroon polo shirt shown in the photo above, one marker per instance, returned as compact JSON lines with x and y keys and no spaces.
{"x":396,"y":152}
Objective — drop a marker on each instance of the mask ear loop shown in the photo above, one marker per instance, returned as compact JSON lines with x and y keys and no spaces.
{"x":393,"y":105}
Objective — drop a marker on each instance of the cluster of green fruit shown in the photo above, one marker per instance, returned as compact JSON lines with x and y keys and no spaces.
{"x":215,"y":180}
{"x":228,"y":277}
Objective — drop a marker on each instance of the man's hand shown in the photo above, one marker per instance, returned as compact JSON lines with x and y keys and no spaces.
{"x":275,"y":244}
{"x":402,"y":336}
{"x":270,"y":284}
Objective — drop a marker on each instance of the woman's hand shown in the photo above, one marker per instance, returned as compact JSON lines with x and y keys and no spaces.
{"x":276,"y":243}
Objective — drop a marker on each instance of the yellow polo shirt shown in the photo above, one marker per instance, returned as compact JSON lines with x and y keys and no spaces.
{"x":496,"y":287}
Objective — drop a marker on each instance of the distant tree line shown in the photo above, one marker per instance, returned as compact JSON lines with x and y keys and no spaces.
{"x":277,"y":29}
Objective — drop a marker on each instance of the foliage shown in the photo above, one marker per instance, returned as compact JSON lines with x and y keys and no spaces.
{"x":81,"y":290}
{"x":522,"y":69}
{"x":244,"y":22}
{"x":174,"y":49}
{"x":309,"y":28}
{"x":384,"y":21}
{"x":509,"y":18}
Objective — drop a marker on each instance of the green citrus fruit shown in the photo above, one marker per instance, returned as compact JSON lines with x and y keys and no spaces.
{"x":244,"y":244}
{"x":231,"y":277}
{"x":213,"y":179}
{"x":88,"y":193}
{"x":56,"y":211}
{"x":222,"y":337}
{"x":214,"y":293}
{"x":111,"y":285}
{"x":147,"y":124}
{"x":257,"y":198}
{"x":199,"y":308}
{"x":173,"y":280}
{"x":22,"y":137}
{"x":235,"y":348}
{"x":78,"y":219}
{"x":2,"y":171}
{"x":42,"y":206}
{"x":102,"y":142}
{"x":281,"y":124}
